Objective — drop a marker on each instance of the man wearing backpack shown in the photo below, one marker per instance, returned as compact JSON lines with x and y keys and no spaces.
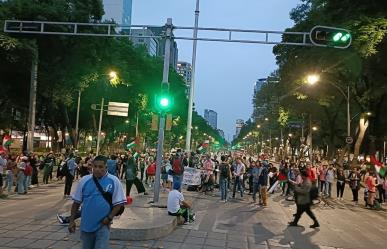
{"x":303,"y":201}
{"x":177,"y":167}
{"x":97,"y":212}
{"x":224,"y":177}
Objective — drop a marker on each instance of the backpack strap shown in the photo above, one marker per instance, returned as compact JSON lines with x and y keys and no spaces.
{"x":105,"y":195}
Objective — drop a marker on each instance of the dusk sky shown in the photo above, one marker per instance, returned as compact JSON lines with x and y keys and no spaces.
{"x":225,"y":72}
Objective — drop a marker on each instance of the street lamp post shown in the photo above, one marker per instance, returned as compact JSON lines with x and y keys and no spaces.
{"x":192,"y":85}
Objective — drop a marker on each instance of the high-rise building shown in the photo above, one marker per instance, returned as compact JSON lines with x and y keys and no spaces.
{"x":185,"y":69}
{"x":221,"y":133}
{"x":259,"y":83}
{"x":151,"y":44}
{"x":161,"y":49}
{"x":119,"y":11}
{"x":238,"y":126}
{"x":211,"y":117}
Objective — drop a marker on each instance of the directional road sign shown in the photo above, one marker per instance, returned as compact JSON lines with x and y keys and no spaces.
{"x":118,"y":109}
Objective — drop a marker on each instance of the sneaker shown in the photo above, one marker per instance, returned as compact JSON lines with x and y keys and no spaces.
{"x":315,"y":225}
{"x":60,"y":219}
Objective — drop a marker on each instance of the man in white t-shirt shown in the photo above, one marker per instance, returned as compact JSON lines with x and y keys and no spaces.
{"x":177,"y":206}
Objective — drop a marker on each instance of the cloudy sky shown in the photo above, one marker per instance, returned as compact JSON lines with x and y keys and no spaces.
{"x":225,"y":72}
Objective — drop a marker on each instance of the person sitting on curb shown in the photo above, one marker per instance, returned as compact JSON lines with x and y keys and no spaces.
{"x":177,"y":206}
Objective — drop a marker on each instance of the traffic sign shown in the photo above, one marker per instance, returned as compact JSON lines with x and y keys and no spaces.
{"x":349,"y":140}
{"x":118,"y":109}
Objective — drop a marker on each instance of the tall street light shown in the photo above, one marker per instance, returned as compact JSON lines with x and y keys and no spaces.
{"x":312,"y":79}
{"x":192,"y":85}
{"x":112,"y":75}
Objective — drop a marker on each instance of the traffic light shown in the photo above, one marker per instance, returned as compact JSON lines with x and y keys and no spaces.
{"x":163,"y":102}
{"x":323,"y":36}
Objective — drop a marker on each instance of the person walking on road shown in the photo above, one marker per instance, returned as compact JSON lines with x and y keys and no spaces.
{"x":97,"y":213}
{"x":131,"y":175}
{"x":340,"y":185}
{"x":69,"y":173}
{"x":238,"y":174}
{"x":303,"y":201}
{"x":263,"y":181}
{"x":3,"y":163}
{"x":354,"y":184}
{"x":224,"y":178}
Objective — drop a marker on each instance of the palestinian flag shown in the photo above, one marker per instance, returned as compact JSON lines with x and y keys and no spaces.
{"x":134,"y":143}
{"x":378,"y":166}
{"x":7,"y":141}
{"x":203,"y":147}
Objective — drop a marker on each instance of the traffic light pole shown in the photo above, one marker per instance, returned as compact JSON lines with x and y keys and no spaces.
{"x":32,"y":104}
{"x":164,"y":85}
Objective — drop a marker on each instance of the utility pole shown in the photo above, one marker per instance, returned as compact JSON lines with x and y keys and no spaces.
{"x":192,"y":85}
{"x":100,"y":126}
{"x":32,"y":104}
{"x":77,"y":121}
{"x":164,"y":85}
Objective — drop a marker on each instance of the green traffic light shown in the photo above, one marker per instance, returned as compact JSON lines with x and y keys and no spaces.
{"x":345,"y":38}
{"x":337,"y":37}
{"x":164,"y":102}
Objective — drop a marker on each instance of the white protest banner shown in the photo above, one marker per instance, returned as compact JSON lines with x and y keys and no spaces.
{"x":192,"y":176}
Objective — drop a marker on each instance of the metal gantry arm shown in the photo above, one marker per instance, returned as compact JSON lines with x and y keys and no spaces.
{"x":109,"y":30}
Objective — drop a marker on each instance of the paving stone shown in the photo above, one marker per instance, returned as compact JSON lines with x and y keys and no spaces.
{"x":36,"y":235}
{"x":116,"y":246}
{"x":55,"y":236}
{"x":276,"y":243}
{"x":174,"y":238}
{"x":212,"y":247}
{"x":215,"y":242}
{"x":143,"y":244}
{"x":29,"y":228}
{"x":191,"y":246}
{"x":212,"y":235}
{"x":51,"y":228}
{"x":200,"y":234}
{"x":64,"y":244}
{"x":6,"y":240}
{"x":15,"y":234}
{"x":194,"y":240}
{"x":43,"y":243}
{"x":237,"y":244}
{"x":167,"y":245}
{"x":21,"y":243}
{"x":236,"y":237}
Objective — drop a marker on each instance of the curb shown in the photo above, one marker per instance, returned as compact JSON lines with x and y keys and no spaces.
{"x":154,"y":232}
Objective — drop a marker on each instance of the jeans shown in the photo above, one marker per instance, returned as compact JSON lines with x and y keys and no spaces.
{"x":255,"y":191}
{"x":328,"y":188}
{"x":20,"y":182}
{"x":27,"y":180}
{"x":223,"y":182}
{"x":96,"y":240}
{"x":237,"y":184}
{"x":9,"y":182}
{"x":178,"y":178}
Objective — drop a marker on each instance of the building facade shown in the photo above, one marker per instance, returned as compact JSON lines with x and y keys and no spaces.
{"x":238,"y":126}
{"x":185,"y":70}
{"x":120,"y":11}
{"x":211,"y":117}
{"x":151,"y":44}
{"x":221,"y":133}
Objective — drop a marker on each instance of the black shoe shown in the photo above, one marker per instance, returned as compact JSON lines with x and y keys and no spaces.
{"x":146,"y":193}
{"x":315,"y":225}
{"x":292,"y":224}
